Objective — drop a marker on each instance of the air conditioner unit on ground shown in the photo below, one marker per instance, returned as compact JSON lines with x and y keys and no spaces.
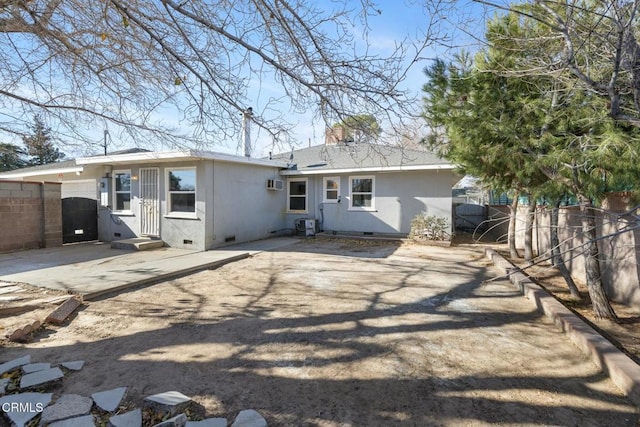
{"x":274,"y":184}
{"x":310,"y":227}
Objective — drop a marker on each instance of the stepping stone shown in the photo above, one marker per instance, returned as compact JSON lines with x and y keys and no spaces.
{"x":249,"y":418}
{"x":84,"y":421}
{"x":15,"y":363}
{"x":11,"y":298}
{"x":9,"y":289}
{"x":4,"y":382}
{"x":209,"y":422}
{"x":68,"y":406}
{"x":34,"y":367}
{"x":170,"y":402}
{"x":73,"y":366}
{"x":177,"y":421}
{"x":24,"y":406}
{"x":128,"y":419}
{"x":40,"y":378}
{"x":110,"y":399}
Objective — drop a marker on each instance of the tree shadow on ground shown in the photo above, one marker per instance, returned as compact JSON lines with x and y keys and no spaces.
{"x":278,"y":351}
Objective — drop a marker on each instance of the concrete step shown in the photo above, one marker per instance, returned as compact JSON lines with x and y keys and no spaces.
{"x":137,"y":244}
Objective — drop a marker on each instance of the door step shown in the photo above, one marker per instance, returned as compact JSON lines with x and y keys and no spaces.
{"x":137,"y":244}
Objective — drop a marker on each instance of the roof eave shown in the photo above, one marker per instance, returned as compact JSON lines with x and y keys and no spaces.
{"x":291,"y":172}
{"x":42,"y":172}
{"x":169,"y":156}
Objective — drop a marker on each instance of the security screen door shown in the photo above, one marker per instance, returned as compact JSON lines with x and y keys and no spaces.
{"x":149,"y":203}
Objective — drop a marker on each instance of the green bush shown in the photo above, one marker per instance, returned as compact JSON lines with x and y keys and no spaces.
{"x":430,"y":227}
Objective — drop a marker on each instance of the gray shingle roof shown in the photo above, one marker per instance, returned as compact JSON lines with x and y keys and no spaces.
{"x":358,"y":156}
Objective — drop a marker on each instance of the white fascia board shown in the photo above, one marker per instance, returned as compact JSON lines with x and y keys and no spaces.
{"x":52,"y":171}
{"x":369,"y":169}
{"x":144,"y":157}
{"x":241,"y":159}
{"x":170,"y":156}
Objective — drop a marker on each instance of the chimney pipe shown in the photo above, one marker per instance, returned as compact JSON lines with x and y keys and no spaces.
{"x":246,"y":130}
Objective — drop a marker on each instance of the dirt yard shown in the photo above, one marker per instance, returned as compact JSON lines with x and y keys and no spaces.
{"x":339,"y":333}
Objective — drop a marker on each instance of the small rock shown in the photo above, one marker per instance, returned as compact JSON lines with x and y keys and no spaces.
{"x":128,"y":419}
{"x":40,"y":378}
{"x":4,"y":382}
{"x":84,"y":421}
{"x":15,"y":363}
{"x":110,"y":399}
{"x":169,"y":403}
{"x":249,"y":418}
{"x":21,"y":408}
{"x":177,"y":421}
{"x":68,"y":406}
{"x":73,"y":366}
{"x":34,"y":367}
{"x":209,"y":422}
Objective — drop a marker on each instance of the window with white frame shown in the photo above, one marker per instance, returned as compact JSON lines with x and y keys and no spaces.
{"x":181,"y":194}
{"x":297,"y":195}
{"x":361,"y":192}
{"x":122,"y":190}
{"x":331,"y":189}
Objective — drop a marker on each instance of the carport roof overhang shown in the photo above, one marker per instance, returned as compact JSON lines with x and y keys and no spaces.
{"x":41,"y":172}
{"x":175,"y":156}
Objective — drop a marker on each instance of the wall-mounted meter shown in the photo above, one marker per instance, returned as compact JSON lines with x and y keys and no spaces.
{"x":104,"y":191}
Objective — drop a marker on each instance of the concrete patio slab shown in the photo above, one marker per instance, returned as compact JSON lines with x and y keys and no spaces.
{"x":95,"y":269}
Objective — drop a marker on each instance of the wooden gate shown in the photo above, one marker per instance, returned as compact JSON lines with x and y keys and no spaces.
{"x":469,"y":217}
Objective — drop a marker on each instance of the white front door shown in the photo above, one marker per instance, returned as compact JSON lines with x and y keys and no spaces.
{"x":149,"y":202}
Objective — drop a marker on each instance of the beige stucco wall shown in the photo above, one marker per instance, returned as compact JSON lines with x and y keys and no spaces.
{"x":619,"y":254}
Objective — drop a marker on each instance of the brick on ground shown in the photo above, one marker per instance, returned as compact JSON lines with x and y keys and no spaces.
{"x":65,"y":309}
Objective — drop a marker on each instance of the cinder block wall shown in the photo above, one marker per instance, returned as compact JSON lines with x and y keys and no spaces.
{"x":30,"y":215}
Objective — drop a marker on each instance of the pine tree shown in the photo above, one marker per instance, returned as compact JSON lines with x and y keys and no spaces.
{"x":39,"y":144}
{"x":11,"y":157}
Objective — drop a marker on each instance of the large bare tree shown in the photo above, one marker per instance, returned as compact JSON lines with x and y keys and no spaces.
{"x":160,"y":66}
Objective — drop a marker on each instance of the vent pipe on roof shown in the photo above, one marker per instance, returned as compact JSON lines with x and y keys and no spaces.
{"x":246,"y":130}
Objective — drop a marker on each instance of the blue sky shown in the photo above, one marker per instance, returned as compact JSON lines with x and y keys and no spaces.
{"x":398,"y":21}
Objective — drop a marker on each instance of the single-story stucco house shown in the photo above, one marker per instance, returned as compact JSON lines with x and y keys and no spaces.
{"x":201,"y":200}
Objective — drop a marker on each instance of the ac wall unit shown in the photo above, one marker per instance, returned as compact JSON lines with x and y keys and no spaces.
{"x":274,"y":184}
